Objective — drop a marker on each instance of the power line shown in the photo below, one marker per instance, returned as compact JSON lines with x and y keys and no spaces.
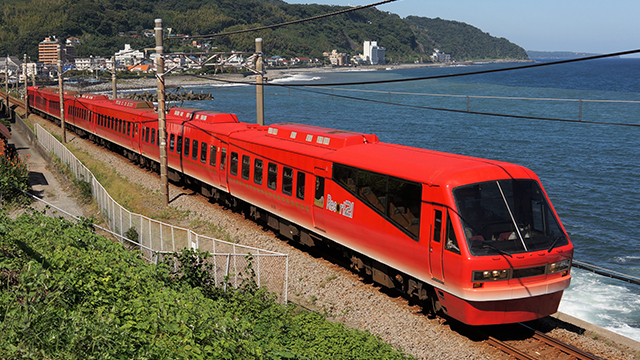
{"x":516,"y":116}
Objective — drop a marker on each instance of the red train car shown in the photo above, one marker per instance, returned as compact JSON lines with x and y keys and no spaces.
{"x":473,"y":238}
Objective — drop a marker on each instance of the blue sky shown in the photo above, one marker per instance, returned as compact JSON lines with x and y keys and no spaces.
{"x":593,"y":26}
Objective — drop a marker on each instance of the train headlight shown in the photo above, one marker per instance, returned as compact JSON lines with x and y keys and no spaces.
{"x":559,"y":266}
{"x":490,"y":275}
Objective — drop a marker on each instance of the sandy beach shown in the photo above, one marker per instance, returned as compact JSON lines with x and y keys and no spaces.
{"x":186,"y":81}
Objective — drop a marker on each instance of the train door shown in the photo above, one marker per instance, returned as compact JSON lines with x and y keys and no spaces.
{"x":223,"y":167}
{"x":435,"y":243}
{"x":319,"y":199}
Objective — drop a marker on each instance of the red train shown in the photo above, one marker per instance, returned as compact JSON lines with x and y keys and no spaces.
{"x":476,"y":239}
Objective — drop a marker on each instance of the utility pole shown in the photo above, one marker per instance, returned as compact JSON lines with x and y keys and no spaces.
{"x":6,"y":80}
{"x":61,"y":92}
{"x":164,"y":183}
{"x":26,"y":85}
{"x":113,"y":79}
{"x":259,"y":80}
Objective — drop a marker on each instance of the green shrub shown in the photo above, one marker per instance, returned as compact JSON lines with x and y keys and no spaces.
{"x":14,"y":178}
{"x":68,"y":293}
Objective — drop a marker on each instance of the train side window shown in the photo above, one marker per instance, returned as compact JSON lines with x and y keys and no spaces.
{"x":319,"y":194}
{"x":146,"y":135}
{"x":223,"y":158}
{"x":272,"y":176}
{"x":128,"y":128}
{"x":437,"y":225}
{"x":203,"y":152}
{"x":246,"y":167}
{"x":179,"y":145}
{"x":257,"y":171}
{"x":213,"y":152}
{"x":194,"y":150}
{"x":186,"y":146}
{"x":153,"y":136}
{"x":300,"y":185}
{"x":451,"y":242}
{"x":120,"y":125}
{"x":172,"y":141}
{"x":287,"y":180}
{"x":233,"y":163}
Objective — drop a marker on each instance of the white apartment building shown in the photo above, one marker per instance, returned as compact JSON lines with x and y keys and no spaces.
{"x":373,"y":53}
{"x":128,"y":56}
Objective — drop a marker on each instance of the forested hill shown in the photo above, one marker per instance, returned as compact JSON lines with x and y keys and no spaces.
{"x":104,"y":26}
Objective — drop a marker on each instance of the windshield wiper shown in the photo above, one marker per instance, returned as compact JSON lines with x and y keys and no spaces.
{"x":553,"y":244}
{"x":485,"y":245}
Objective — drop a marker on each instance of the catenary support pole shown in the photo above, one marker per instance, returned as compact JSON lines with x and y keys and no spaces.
{"x":259,"y":86}
{"x":6,"y":81}
{"x":113,"y":78}
{"x":61,"y":92}
{"x":164,"y":183}
{"x":26,"y":85}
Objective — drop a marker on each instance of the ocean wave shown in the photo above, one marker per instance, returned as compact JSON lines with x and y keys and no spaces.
{"x":296,"y":78}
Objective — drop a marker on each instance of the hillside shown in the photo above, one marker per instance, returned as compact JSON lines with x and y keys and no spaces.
{"x":462,"y":41}
{"x":103,"y":28}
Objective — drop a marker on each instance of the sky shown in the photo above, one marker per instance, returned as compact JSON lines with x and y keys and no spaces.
{"x":590,"y":26}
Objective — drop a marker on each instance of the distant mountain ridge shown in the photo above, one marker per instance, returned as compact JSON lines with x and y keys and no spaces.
{"x":104,"y":26}
{"x":544,"y":55}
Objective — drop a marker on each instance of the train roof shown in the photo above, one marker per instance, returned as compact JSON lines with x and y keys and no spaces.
{"x":365,"y":151}
{"x":427,"y":166}
{"x":211,"y":117}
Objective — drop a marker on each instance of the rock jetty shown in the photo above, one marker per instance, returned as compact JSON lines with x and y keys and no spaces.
{"x":172,"y":96}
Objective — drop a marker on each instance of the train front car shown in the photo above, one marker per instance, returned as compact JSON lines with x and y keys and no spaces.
{"x":515,"y":254}
{"x":474,"y":238}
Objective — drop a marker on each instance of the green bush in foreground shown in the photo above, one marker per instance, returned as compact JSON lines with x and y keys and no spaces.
{"x":14,"y":178}
{"x":70,"y":294}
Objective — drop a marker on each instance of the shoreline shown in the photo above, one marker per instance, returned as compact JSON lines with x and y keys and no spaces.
{"x":185,"y":81}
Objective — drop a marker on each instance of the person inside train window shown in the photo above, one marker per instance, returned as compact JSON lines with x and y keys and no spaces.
{"x":319,"y":195}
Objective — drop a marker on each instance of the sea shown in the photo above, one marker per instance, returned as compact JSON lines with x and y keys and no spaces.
{"x":586,"y":152}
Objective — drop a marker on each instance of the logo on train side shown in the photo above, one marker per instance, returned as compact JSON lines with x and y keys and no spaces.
{"x":345,"y":209}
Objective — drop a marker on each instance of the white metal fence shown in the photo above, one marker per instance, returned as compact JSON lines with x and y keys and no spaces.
{"x":156,"y":239}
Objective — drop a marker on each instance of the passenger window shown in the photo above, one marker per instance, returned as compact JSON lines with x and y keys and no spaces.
{"x":451,"y":243}
{"x":179,"y":145}
{"x":319,"y":194}
{"x":153,"y":136}
{"x":212,"y":156}
{"x":437,"y":225}
{"x":257,"y":171}
{"x":272,"y":176}
{"x":203,"y":152}
{"x":223,"y":158}
{"x":246,"y":166}
{"x":194,"y":150}
{"x":146,"y":135}
{"x":172,"y":139}
{"x":287,"y":180}
{"x":233,"y":163}
{"x":300,"y":185}
{"x":186,"y":146}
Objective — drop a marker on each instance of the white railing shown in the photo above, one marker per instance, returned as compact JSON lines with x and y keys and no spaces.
{"x":156,"y":239}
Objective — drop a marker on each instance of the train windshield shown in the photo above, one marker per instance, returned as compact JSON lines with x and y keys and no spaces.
{"x":507,"y":217}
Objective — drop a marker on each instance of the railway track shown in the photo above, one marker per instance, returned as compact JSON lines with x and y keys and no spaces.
{"x":538,"y":346}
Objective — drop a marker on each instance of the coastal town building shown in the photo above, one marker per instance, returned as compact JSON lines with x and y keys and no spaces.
{"x":11,"y":66}
{"x":129,"y":56}
{"x":91,"y":63}
{"x":337,"y":59}
{"x":372,"y":53}
{"x":439,"y":57}
{"x":48,"y":51}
